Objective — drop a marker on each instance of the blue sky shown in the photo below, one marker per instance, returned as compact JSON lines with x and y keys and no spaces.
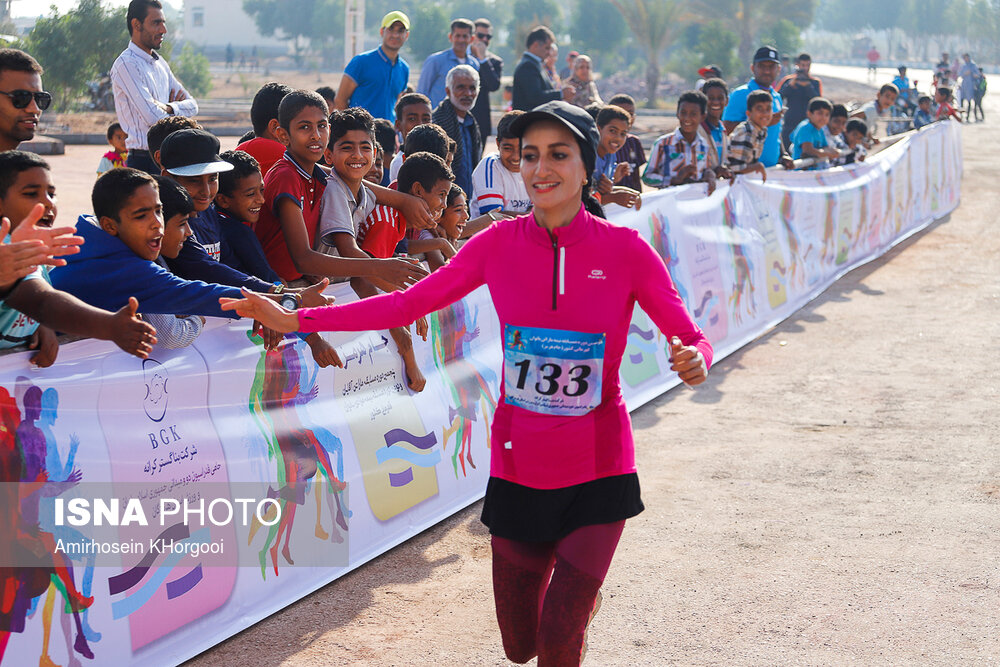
{"x":41,"y":7}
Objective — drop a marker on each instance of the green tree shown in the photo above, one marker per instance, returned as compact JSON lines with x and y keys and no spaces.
{"x":717,"y":46}
{"x":305,"y":22}
{"x":527,"y":14}
{"x":784,"y":36}
{"x":597,"y":28}
{"x":654,"y":24}
{"x":750,"y":19}
{"x":76,"y":47}
{"x":191,"y":68}
{"x":428,"y":30}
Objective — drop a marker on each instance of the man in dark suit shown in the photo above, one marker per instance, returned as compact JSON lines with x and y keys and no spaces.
{"x":490,"y":71}
{"x":531,"y":86}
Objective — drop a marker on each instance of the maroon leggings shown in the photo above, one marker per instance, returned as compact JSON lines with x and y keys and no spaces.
{"x":545,"y":592}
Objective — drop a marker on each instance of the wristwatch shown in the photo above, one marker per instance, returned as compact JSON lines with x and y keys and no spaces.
{"x":289,"y":301}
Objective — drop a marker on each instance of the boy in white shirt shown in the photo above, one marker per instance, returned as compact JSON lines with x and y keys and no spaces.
{"x":496,"y":180}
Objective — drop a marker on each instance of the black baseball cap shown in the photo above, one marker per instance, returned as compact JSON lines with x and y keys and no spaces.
{"x":766,"y":54}
{"x":577,"y":120}
{"x":192,"y":152}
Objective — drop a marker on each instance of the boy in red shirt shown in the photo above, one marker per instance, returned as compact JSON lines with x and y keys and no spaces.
{"x":293,"y":195}
{"x":422,"y":174}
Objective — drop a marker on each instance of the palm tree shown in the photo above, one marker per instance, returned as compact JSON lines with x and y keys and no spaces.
{"x":749,"y":18}
{"x":654,"y":23}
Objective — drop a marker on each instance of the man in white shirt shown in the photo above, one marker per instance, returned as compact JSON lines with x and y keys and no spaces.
{"x":145,"y":89}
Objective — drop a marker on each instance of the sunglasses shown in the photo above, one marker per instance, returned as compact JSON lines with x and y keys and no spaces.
{"x":483,"y":36}
{"x":22,"y":98}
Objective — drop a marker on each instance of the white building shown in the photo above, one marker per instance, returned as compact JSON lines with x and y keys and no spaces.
{"x":217,"y":23}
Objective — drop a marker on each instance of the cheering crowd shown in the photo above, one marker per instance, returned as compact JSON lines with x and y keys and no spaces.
{"x":388,"y":188}
{"x":353,"y":184}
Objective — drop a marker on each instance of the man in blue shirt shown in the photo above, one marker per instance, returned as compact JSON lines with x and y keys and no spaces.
{"x":766,"y":65}
{"x":437,"y":65}
{"x":374,"y":79}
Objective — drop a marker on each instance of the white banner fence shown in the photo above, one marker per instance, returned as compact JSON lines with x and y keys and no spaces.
{"x":224,"y":413}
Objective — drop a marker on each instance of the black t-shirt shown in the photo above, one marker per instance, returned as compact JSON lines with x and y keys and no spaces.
{"x":797,"y":98}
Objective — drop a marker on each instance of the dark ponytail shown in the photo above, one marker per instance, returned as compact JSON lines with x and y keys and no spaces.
{"x":591,"y":204}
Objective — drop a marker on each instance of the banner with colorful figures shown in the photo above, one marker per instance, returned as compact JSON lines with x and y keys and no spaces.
{"x":344,"y":464}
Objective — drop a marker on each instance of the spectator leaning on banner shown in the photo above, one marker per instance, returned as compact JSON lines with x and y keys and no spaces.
{"x":374,"y":79}
{"x":22,"y":99}
{"x":490,"y":71}
{"x":531,"y":86}
{"x":437,"y":65}
{"x":145,"y":89}
{"x":765,"y":70}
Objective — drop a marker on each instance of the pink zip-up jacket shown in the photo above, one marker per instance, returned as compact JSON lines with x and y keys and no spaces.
{"x":584,"y":277}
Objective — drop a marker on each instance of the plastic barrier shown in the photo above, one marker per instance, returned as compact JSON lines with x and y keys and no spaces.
{"x":222,"y":420}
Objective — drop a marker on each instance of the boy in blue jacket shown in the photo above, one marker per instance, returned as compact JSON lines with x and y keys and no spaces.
{"x":30,"y":309}
{"x":122,"y":243}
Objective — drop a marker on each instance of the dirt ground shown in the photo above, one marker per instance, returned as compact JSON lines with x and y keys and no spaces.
{"x":829,"y":497}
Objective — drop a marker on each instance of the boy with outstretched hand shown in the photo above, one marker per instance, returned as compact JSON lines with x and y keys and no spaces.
{"x":289,"y":223}
{"x":348,"y":204}
{"x":30,"y":309}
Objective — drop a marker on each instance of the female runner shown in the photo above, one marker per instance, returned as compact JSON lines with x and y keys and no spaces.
{"x":564,"y":283}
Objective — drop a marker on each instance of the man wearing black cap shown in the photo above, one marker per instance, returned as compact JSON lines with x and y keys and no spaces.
{"x":766,"y":65}
{"x":191,"y":157}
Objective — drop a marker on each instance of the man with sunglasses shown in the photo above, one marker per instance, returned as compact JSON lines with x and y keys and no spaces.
{"x":22,"y":99}
{"x":490,"y":71}
{"x":145,"y":89}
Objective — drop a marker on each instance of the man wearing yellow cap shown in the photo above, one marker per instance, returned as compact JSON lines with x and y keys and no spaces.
{"x":374,"y":79}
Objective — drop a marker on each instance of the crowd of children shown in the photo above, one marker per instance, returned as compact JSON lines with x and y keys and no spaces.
{"x":311,"y":197}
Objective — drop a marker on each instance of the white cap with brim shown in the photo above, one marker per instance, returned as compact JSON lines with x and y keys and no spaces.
{"x":200,"y":169}
{"x":191,"y":152}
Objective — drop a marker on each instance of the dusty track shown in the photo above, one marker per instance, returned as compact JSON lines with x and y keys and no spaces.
{"x":830,"y":497}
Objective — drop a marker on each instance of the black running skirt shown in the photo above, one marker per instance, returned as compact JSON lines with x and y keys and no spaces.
{"x":523,"y":513}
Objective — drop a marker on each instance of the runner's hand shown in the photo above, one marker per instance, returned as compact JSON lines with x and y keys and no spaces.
{"x":688,"y":362}
{"x":263,"y":310}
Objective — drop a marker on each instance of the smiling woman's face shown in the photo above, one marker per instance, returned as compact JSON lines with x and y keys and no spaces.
{"x":552,"y":165}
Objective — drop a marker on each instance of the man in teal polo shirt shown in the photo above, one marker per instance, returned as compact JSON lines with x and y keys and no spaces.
{"x":766,"y":65}
{"x":374,"y":79}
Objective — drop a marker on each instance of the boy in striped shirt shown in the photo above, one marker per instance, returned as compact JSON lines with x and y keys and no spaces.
{"x":496,"y":180}
{"x":746,"y":142}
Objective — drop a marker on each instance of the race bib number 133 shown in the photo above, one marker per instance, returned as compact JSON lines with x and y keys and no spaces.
{"x":551,"y":371}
